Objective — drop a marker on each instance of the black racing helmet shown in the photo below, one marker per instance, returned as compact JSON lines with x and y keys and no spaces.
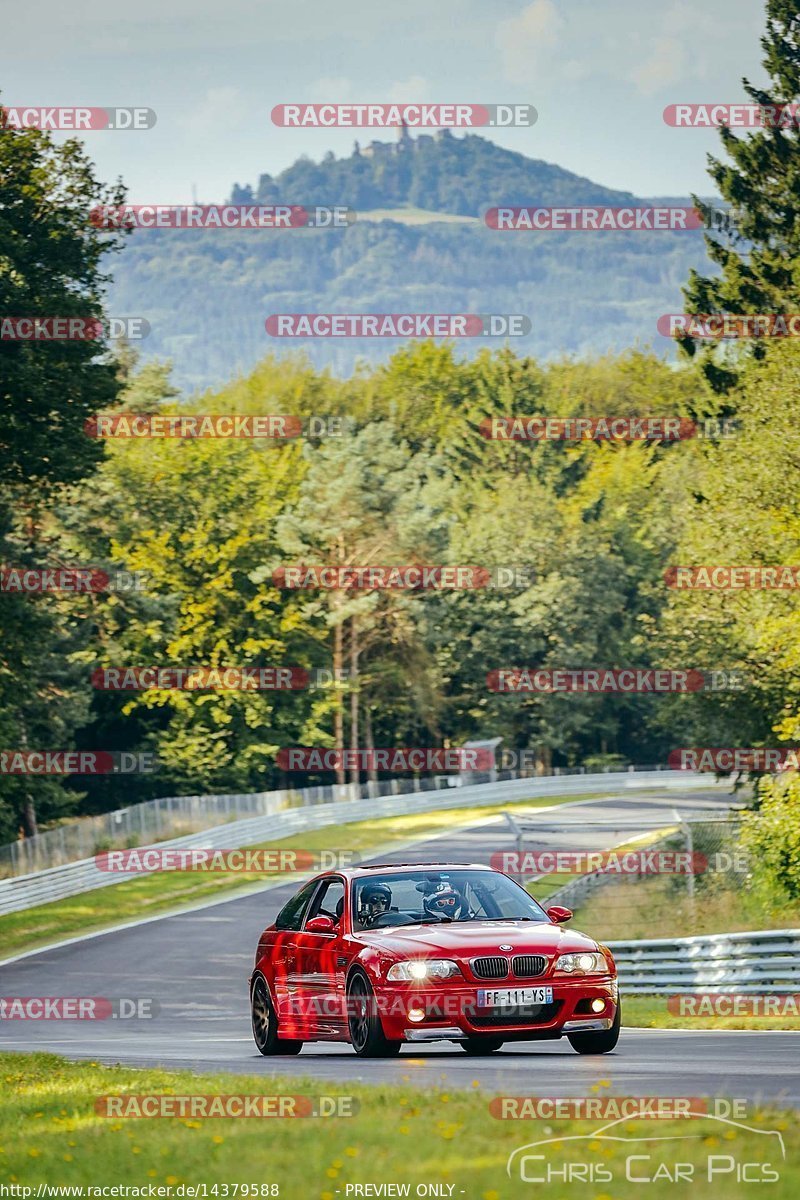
{"x":380,"y":892}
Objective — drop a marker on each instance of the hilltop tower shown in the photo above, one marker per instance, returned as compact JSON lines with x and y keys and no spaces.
{"x":404,"y":141}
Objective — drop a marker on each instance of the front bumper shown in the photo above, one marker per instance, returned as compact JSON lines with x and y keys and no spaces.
{"x":451,"y":1012}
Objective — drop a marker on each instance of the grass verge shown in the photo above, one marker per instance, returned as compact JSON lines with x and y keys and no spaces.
{"x":168,"y":891}
{"x":400,"y":1135}
{"x":651,"y":1012}
{"x":657,"y":906}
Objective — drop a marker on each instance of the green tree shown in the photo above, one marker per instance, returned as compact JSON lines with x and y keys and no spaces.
{"x":755,"y":239}
{"x":50,"y":266}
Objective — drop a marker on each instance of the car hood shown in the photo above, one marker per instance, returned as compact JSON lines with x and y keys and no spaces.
{"x":477,"y":937}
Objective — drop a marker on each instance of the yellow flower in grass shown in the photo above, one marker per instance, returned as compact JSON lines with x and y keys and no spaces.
{"x":67,"y":1158}
{"x":217,"y":1139}
{"x":171,"y":1179}
{"x":351,"y":1151}
{"x":34,"y":1153}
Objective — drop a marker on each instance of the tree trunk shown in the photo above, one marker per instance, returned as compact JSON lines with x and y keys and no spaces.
{"x":372,"y":773}
{"x":29,"y":823}
{"x":338,"y":713}
{"x":355,"y":774}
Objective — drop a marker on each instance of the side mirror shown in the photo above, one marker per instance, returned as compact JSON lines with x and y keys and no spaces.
{"x":558,"y":915}
{"x":320,"y":925}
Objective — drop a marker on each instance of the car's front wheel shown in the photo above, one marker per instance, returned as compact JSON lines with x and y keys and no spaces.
{"x":366,"y":1031}
{"x":265,"y":1022}
{"x":482,"y":1045}
{"x":598,"y":1041}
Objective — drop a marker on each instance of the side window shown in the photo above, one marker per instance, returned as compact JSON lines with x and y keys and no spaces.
{"x":329,"y":901}
{"x":291,"y":915}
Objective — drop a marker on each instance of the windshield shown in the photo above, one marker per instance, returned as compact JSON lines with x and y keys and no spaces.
{"x":421,"y":896}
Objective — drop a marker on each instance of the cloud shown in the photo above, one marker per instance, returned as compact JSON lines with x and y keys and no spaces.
{"x":332,"y":88}
{"x":407,"y":91}
{"x":667,"y":64}
{"x":527,"y":41}
{"x":214,"y":112}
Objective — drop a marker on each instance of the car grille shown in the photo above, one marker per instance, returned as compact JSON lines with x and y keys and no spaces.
{"x":525,"y":966}
{"x":493,"y":967}
{"x":522,"y":1014}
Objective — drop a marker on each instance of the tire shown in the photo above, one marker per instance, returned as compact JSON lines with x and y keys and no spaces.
{"x":265,"y":1023}
{"x":364,"y":1025}
{"x":481,"y":1045}
{"x":601,"y":1041}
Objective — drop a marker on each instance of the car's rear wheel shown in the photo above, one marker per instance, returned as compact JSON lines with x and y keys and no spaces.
{"x":484,"y":1045}
{"x":364,"y":1024}
{"x":265,"y":1022}
{"x":598,"y":1041}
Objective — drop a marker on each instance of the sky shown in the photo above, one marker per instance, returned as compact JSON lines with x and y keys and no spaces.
{"x":599,"y":73}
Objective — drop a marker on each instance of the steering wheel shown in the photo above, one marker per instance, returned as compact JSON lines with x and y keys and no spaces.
{"x":388,"y":918}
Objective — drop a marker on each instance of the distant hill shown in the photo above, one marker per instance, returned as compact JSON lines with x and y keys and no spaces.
{"x":207,"y":293}
{"x":441,"y":172}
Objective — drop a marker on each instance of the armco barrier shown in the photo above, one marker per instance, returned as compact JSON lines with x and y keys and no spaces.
{"x":56,"y":883}
{"x":753,"y":963}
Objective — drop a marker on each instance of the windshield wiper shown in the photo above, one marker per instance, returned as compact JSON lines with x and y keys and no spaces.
{"x":442,"y":920}
{"x":506,"y":918}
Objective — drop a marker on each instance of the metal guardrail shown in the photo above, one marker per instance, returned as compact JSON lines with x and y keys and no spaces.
{"x":762,"y":962}
{"x":57,"y":883}
{"x":575,"y":892}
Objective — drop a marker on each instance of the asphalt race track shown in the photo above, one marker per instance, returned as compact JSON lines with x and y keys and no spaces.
{"x":196,"y":966}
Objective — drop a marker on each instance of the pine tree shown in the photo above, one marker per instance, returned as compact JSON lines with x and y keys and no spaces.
{"x":755,"y":239}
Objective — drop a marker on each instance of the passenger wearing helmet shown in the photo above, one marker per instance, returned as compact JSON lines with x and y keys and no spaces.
{"x":446,"y":901}
{"x":376,"y":899}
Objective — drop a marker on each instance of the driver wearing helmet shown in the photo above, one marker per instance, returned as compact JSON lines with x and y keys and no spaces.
{"x":446,"y":901}
{"x":376,"y":899}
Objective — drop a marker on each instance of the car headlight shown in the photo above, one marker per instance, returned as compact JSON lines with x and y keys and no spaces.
{"x":582,"y":964}
{"x":428,"y":968}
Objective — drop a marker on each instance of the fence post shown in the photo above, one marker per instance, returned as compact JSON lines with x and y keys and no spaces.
{"x":686,"y":829}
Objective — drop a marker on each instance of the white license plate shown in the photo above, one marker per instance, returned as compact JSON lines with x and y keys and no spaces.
{"x":511,"y":997}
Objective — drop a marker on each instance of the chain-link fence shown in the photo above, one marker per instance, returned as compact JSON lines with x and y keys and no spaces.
{"x":159,"y":820}
{"x":691,"y":879}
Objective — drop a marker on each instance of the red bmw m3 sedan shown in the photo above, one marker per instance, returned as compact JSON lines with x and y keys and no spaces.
{"x":381,"y":955}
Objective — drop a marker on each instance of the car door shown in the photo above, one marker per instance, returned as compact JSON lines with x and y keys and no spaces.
{"x":322,"y":962}
{"x":283,"y":956}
